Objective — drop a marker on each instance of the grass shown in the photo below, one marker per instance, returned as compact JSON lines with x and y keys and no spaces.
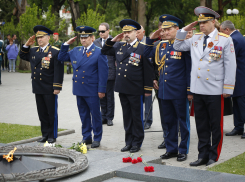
{"x":235,"y":165}
{"x":16,"y":132}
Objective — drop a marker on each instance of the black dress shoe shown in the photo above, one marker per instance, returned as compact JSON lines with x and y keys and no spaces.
{"x":104,"y":121}
{"x":51,"y":140}
{"x":95,"y":144}
{"x":234,"y":132}
{"x":243,"y":136}
{"x":126,"y":148}
{"x":162,"y":146}
{"x":199,"y":162}
{"x":109,"y":123}
{"x":86,"y":142}
{"x":211,"y":161}
{"x":147,"y":126}
{"x":43,"y":139}
{"x":134,"y":149}
{"x":182,"y":157}
{"x":168,"y":155}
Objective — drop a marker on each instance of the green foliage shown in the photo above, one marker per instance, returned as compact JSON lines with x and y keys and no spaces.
{"x":9,"y":27}
{"x":91,"y":18}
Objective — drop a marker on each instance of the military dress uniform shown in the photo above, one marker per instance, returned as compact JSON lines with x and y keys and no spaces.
{"x":47,"y":75}
{"x":134,"y":77}
{"x":58,"y":44}
{"x":213,"y":73}
{"x":174,"y":85}
{"x":89,"y":77}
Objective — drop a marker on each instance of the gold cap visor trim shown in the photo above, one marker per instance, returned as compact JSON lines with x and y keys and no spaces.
{"x":167,"y":24}
{"x":41,"y":34}
{"x":128,"y":28}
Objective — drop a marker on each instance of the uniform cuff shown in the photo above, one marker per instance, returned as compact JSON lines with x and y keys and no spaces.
{"x":109,"y":42}
{"x":64,"y":48}
{"x":181,"y":35}
{"x":57,"y":86}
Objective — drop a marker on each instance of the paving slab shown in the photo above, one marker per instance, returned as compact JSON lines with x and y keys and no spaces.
{"x":18,"y":106}
{"x":116,"y":179}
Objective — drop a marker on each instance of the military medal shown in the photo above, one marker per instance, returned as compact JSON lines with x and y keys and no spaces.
{"x":164,"y":46}
{"x":45,"y":62}
{"x":134,"y":59}
{"x":74,"y":62}
{"x":50,"y":54}
{"x":88,"y":54}
{"x":210,"y":45}
{"x":216,"y":53}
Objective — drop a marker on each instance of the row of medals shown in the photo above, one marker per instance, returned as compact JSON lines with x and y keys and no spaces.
{"x":215,"y":55}
{"x":134,"y":61}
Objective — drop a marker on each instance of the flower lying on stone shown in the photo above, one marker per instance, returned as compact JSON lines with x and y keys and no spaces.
{"x":80,"y":147}
{"x":148,"y":168}
{"x":139,"y":159}
{"x":134,"y":161}
{"x":49,"y":144}
{"x":128,"y":159}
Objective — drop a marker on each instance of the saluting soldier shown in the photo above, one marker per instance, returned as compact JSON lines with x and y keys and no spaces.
{"x":89,"y":82}
{"x":134,"y":77}
{"x":57,"y":42}
{"x":47,"y":77}
{"x":174,"y":88}
{"x":212,"y":79}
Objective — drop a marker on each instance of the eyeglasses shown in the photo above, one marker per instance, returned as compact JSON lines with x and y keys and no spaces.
{"x":102,"y":31}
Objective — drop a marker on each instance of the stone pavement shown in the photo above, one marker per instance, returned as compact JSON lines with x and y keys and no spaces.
{"x":17,"y":106}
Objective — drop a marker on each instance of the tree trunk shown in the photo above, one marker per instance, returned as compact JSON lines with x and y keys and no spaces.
{"x":56,"y":8}
{"x":209,"y":4}
{"x":75,"y":12}
{"x":141,"y":12}
{"x":221,"y":6}
{"x":202,"y":2}
{"x":133,"y":10}
{"x":24,"y":65}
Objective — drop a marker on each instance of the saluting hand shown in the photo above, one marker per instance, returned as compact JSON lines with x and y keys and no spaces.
{"x":30,"y":41}
{"x":70,"y":41}
{"x":118,"y":38}
{"x":101,"y":95}
{"x":156,"y":34}
{"x":190,"y":26}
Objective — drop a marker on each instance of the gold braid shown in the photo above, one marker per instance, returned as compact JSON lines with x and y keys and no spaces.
{"x":157,"y":61}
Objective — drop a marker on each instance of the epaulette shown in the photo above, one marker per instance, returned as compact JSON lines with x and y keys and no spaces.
{"x":163,"y":41}
{"x":146,"y":44}
{"x":55,"y":48}
{"x":34,"y":47}
{"x":199,"y":33}
{"x":97,"y":47}
{"x":223,"y":34}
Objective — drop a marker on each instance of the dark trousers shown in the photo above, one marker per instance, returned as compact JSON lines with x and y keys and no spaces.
{"x":164,"y":126}
{"x":148,"y":110}
{"x":107,"y":104}
{"x":209,"y":123}
{"x":176,"y":114}
{"x":239,"y":112}
{"x":132,"y":106}
{"x":89,"y":111}
{"x":47,"y":106}
{"x":0,"y":71}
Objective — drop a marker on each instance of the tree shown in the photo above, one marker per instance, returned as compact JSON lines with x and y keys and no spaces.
{"x":75,"y":12}
{"x":141,"y":12}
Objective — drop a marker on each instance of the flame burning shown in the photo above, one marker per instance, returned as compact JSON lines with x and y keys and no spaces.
{"x":10,"y":155}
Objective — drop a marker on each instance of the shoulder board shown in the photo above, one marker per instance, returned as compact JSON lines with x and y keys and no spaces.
{"x":55,"y":48}
{"x":97,"y":47}
{"x":78,"y":46}
{"x":163,"y":41}
{"x":34,"y":47}
{"x":222,"y":34}
{"x":123,"y":41}
{"x":199,"y":33}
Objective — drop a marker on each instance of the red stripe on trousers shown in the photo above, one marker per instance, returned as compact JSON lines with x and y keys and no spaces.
{"x":221,"y":128}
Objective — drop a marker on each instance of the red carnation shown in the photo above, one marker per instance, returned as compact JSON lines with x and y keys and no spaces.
{"x":139,"y":159}
{"x":146,"y":169}
{"x":125,"y":159}
{"x":134,"y":161}
{"x":151,"y":168}
{"x":129,"y":159}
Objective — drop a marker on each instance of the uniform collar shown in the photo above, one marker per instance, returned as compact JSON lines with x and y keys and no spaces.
{"x":232,"y":32}
{"x":88,"y":47}
{"x":132,"y":43}
{"x":43,"y":48}
{"x":212,"y":33}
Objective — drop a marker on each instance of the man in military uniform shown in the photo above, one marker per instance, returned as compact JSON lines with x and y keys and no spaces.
{"x":212,"y":79}
{"x":89,"y":82}
{"x":174,"y":88}
{"x":47,"y":77}
{"x":57,"y":42}
{"x":238,"y":96}
{"x":134,"y":77}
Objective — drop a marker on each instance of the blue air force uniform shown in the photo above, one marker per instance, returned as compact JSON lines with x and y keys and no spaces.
{"x":174,"y":85}
{"x":47,"y":75}
{"x":134,"y":77}
{"x":90,"y":73}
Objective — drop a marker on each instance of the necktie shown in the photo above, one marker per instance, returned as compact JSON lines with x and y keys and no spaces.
{"x":128,"y":45}
{"x":205,"y":42}
{"x":85,"y":50}
{"x":41,"y":50}
{"x":103,"y":42}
